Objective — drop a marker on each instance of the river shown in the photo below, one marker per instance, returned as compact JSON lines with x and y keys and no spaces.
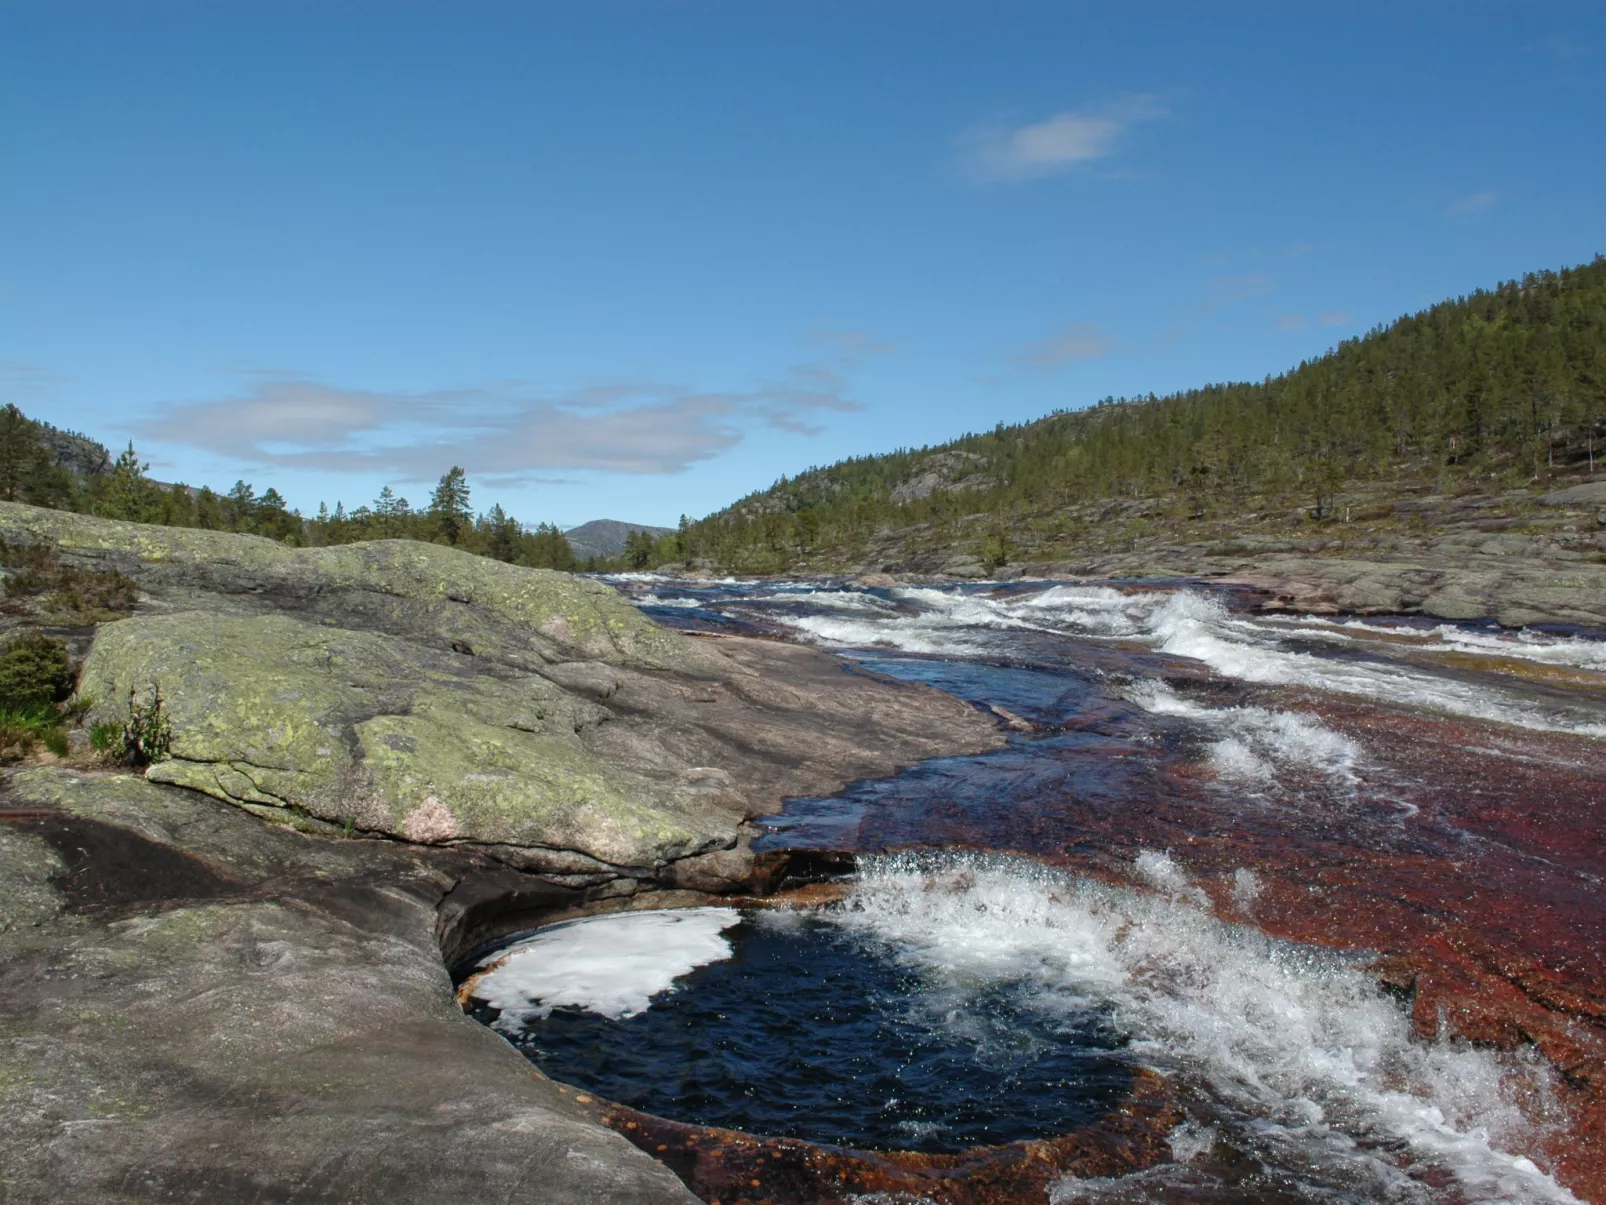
{"x":1334,"y":883}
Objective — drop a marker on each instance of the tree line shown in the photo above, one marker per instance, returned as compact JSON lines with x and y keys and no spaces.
{"x":30,"y":472}
{"x":1499,"y":389}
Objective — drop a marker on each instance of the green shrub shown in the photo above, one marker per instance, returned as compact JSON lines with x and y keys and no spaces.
{"x":105,"y":736}
{"x":34,"y":670}
{"x":22,"y":726}
{"x":75,"y":595}
{"x":147,"y":733}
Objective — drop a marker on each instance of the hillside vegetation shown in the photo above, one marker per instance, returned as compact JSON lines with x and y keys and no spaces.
{"x":1496,"y":394}
{"x":43,"y":466}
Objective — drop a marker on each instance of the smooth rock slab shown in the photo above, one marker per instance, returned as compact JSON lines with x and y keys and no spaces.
{"x":291,"y":1038}
{"x":428,"y":592}
{"x":388,"y":736}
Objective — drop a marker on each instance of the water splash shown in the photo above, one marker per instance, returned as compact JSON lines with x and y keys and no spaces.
{"x":1255,"y":742}
{"x":1296,"y":1058}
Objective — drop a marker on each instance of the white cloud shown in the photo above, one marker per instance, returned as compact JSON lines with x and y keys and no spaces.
{"x":995,"y":154}
{"x":1476,"y":203}
{"x":508,"y":432}
{"x":1291,"y":322}
{"x":1335,"y":318}
{"x":1078,"y":341}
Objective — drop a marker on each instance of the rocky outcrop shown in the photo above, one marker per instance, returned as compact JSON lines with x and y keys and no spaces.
{"x":1502,"y":578}
{"x":1512,"y":589}
{"x":424,"y":593}
{"x":1586,"y":494}
{"x":202,"y":1007}
{"x":951,"y":472}
{"x":367,"y":729}
{"x":417,"y":692}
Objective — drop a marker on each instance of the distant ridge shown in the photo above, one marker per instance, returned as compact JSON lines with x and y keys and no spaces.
{"x":605,"y":538}
{"x":1497,"y":398}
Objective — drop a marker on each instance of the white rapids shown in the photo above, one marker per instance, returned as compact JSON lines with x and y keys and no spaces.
{"x":1296,"y":1056}
{"x":1188,"y":623}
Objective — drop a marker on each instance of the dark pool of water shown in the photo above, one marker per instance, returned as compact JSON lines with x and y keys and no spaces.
{"x":808,"y":1033}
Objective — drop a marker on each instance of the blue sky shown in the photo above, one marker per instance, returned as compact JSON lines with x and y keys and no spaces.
{"x":637,"y":259}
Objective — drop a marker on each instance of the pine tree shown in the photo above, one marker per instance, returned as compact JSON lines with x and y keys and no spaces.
{"x":21,"y":451}
{"x":386,"y":513}
{"x":126,"y":493}
{"x":449,"y":510}
{"x":502,"y":535}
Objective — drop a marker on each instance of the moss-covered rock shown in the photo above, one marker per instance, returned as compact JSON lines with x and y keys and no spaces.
{"x":366,"y":729}
{"x":525,"y":617}
{"x":445,"y":699}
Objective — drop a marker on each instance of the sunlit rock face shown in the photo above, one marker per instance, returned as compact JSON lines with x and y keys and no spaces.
{"x":416,"y":691}
{"x":420,"y":743}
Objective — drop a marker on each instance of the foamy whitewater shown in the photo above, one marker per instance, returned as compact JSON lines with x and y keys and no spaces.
{"x":1187,"y":623}
{"x":1304,"y":1062}
{"x":1256,"y":742}
{"x":1577,"y":652}
{"x":612,"y":965}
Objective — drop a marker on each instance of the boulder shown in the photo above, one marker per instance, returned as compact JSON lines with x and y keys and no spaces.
{"x":424,"y":592}
{"x":202,"y":1007}
{"x":367,"y":730}
{"x":1585,"y":496}
{"x":418,"y":692}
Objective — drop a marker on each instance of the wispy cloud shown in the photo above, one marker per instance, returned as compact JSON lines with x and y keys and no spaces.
{"x":1078,"y":341}
{"x":855,"y":344}
{"x":999,"y":154}
{"x":507,"y":433}
{"x":1335,"y":318}
{"x":1476,"y":203}
{"x":27,"y":379}
{"x":1291,"y":322}
{"x":1562,"y":47}
{"x":1229,"y":290}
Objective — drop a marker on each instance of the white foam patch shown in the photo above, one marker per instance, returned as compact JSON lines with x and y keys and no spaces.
{"x":1245,"y":887}
{"x":1574,"y":651}
{"x":1256,"y":741}
{"x":1163,"y":874}
{"x":1578,"y":652}
{"x":1192,"y":625}
{"x":842,"y":632}
{"x":1190,"y":1140}
{"x":613,"y":965}
{"x":850,"y":600}
{"x":654,"y":600}
{"x":1091,"y":610}
{"x":1187,"y":623}
{"x":1305,"y":1058}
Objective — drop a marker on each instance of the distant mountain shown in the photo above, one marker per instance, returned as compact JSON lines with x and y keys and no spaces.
{"x":606,"y":537}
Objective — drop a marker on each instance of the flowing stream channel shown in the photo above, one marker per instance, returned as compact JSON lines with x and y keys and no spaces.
{"x":1337,"y":881}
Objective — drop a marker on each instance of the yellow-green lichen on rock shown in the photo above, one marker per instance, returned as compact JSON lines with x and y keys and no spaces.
{"x":427,"y":589}
{"x":368,"y":729}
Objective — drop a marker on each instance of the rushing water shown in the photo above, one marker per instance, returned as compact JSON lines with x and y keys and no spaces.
{"x":1226,"y":824}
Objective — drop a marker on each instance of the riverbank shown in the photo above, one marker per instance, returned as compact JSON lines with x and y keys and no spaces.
{"x":229,"y":979}
{"x":226,"y":978}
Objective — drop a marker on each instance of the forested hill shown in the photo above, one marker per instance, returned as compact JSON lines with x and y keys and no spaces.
{"x":1502,"y":390}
